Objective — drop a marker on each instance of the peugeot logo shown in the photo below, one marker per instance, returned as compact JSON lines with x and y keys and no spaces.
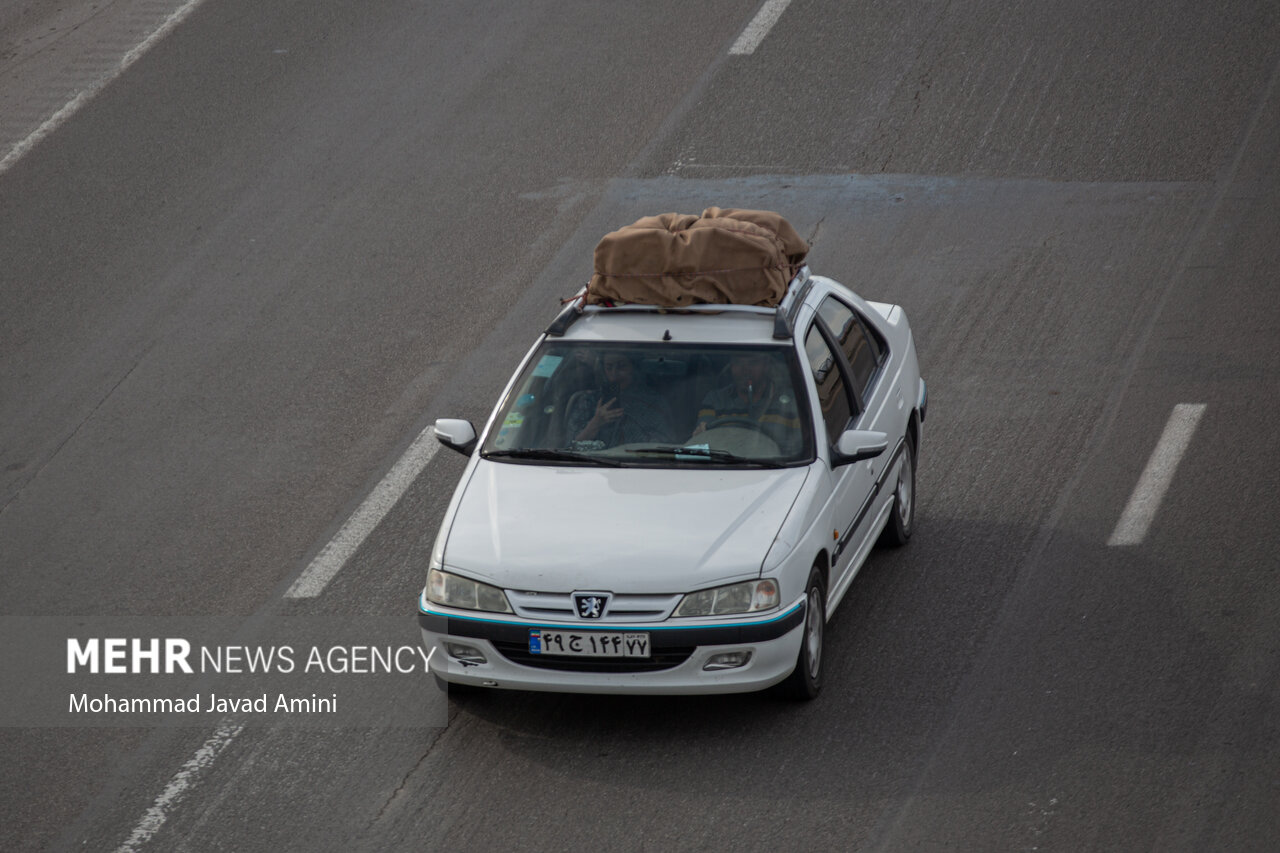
{"x":589,"y":605}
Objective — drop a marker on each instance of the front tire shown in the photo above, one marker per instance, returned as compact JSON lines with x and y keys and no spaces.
{"x":805,"y":681}
{"x":902,"y":519}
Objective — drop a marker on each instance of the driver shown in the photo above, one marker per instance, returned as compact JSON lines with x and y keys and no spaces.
{"x":624,"y":409}
{"x":752,"y":395}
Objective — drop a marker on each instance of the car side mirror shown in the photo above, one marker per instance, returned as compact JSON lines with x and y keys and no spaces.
{"x":456,"y":434}
{"x":858,"y":444}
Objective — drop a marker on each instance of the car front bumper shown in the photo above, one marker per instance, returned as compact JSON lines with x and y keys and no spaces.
{"x":677,"y":664}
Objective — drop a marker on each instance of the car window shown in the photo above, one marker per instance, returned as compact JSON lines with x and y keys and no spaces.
{"x":860,"y":347}
{"x":832,"y":394}
{"x":654,"y":405}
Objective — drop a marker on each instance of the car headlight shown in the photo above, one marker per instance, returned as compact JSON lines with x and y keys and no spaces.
{"x":454,"y":591}
{"x":747,"y":597}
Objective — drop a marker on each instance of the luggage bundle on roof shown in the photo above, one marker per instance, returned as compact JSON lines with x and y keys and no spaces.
{"x":739,"y":257}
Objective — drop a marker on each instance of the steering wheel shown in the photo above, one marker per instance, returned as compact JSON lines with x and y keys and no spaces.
{"x":737,"y":421}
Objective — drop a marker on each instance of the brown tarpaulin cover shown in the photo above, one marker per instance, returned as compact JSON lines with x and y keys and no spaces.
{"x":743,"y":257}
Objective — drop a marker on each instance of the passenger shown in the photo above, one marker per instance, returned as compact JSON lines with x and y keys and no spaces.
{"x":755,"y":396}
{"x":624,"y":410}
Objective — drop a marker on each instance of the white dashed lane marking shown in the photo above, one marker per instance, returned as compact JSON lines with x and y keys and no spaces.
{"x":1143,"y":504}
{"x":309,"y":584}
{"x":367,"y":516}
{"x":759,"y":27}
{"x":97,"y":82}
{"x":178,"y":786}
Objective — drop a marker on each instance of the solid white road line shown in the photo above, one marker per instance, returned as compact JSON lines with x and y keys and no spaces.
{"x":367,"y":516}
{"x":759,"y":27}
{"x":1132,"y":527}
{"x":178,"y":785}
{"x":69,"y":109}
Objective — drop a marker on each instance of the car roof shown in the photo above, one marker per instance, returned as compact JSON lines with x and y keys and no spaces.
{"x":711,"y":323}
{"x":703,"y":327}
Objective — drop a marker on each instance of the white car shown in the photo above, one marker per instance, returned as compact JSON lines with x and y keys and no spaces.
{"x":675,"y":501}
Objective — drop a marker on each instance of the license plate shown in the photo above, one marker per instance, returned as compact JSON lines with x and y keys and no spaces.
{"x":595,"y":644}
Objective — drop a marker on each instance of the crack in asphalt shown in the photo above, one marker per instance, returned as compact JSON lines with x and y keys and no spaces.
{"x":813,"y":235}
{"x":404,"y":781}
{"x":45,"y":464}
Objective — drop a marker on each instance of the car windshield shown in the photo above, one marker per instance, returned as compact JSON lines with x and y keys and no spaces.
{"x":655,"y":405}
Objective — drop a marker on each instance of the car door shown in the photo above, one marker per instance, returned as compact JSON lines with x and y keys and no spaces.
{"x":860,"y":356}
{"x":851,"y":484}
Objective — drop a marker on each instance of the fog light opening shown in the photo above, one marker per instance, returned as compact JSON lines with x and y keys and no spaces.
{"x":727,"y":660}
{"x":464,"y":653}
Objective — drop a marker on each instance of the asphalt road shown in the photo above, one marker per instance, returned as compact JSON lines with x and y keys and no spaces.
{"x":239,"y":282}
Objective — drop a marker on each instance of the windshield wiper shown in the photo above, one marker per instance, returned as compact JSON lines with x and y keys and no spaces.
{"x":704,"y":452}
{"x":546,"y":454}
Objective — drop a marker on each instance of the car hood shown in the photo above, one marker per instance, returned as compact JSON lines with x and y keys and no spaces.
{"x":639,"y":530}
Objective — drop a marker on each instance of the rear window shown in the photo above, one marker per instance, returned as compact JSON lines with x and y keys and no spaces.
{"x":860,"y":347}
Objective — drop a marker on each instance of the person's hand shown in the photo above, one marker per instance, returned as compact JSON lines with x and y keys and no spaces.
{"x":606,"y":413}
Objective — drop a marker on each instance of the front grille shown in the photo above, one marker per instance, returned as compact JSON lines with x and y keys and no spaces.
{"x":659,"y":660}
{"x":622,"y":607}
